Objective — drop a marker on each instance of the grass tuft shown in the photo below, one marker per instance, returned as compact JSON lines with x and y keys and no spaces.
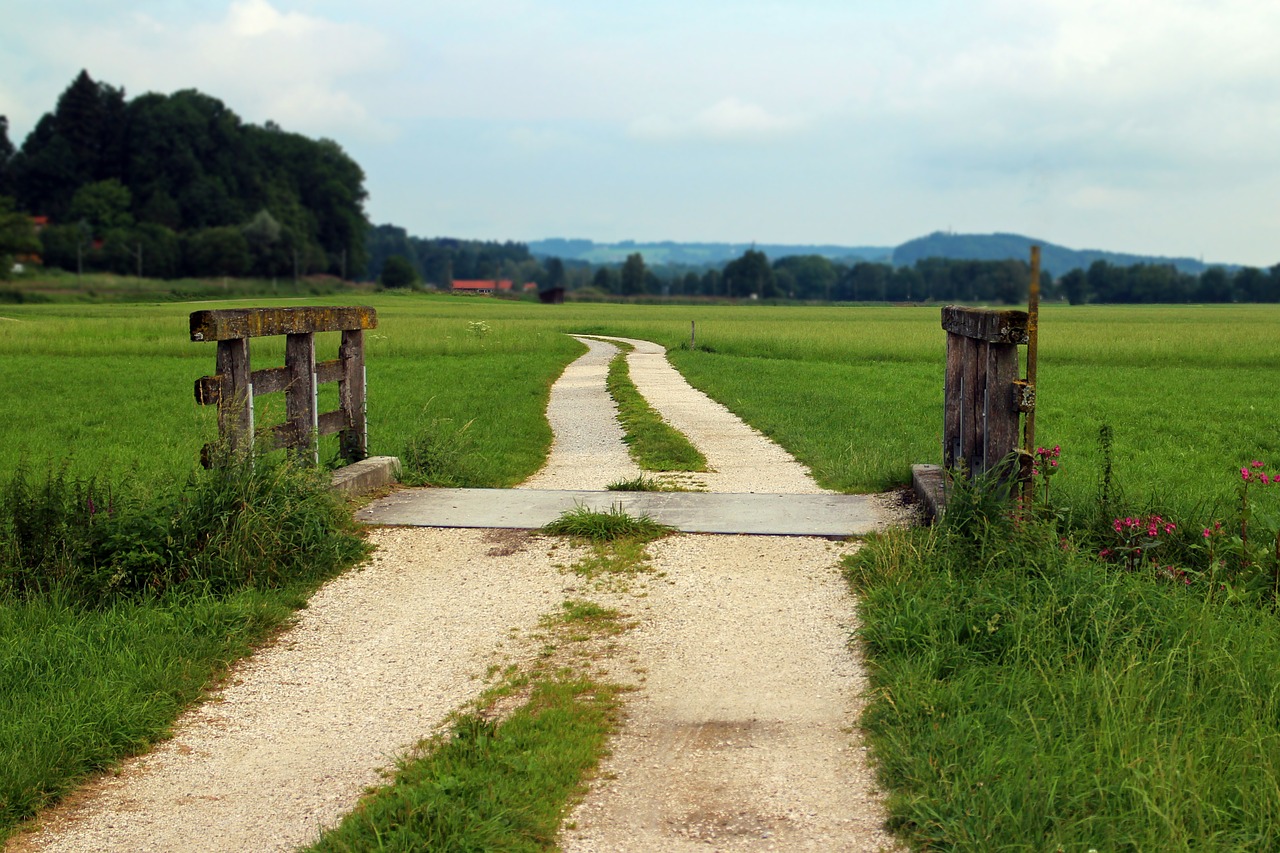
{"x":595,"y":526}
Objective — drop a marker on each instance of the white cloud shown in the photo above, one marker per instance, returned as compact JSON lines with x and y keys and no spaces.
{"x":300,"y":70}
{"x":730,"y":119}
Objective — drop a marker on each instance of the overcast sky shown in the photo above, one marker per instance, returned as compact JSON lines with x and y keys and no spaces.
{"x":1148,"y":126}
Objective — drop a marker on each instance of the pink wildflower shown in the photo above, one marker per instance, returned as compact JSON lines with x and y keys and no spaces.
{"x":1244,"y":474}
{"x":1256,"y":464}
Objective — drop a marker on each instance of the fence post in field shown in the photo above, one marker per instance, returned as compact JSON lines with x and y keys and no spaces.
{"x":982,"y":397}
{"x":235,"y":384}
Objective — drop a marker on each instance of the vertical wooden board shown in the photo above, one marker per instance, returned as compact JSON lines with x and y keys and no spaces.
{"x":354,"y":440}
{"x":235,"y":406}
{"x":970,"y":408}
{"x":300,"y":393}
{"x":1001,"y":402}
{"x":952,"y":391}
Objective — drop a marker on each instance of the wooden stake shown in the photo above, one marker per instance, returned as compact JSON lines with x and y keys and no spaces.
{"x":1033,"y":336}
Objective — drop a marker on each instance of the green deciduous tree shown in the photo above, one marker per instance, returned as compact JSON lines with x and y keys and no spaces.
{"x":750,"y":275}
{"x":216,"y":252}
{"x":634,"y":275}
{"x":104,"y":205}
{"x":398,"y":272}
{"x":17,"y":236}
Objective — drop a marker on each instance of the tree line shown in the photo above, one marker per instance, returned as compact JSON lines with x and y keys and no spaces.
{"x":169,"y":185}
{"x":817,"y":278}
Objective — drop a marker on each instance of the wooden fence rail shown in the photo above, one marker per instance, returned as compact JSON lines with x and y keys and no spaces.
{"x":235,"y":384}
{"x":983,"y":394}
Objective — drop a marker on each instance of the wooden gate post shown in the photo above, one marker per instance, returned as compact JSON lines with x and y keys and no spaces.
{"x":982,"y":396}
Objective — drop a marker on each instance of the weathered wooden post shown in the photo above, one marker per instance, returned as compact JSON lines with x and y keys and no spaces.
{"x":235,"y":385}
{"x":982,"y":392}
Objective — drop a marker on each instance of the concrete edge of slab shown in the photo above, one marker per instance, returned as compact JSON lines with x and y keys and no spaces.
{"x":930,"y":488}
{"x":367,"y":475}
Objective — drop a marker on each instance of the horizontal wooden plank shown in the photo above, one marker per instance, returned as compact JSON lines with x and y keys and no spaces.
{"x":226,"y":324}
{"x":329,"y":371}
{"x":985,"y":324}
{"x":269,"y":380}
{"x":209,"y":390}
{"x":331,"y":422}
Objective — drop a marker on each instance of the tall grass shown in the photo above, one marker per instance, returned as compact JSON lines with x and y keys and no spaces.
{"x":1028,"y":695}
{"x":82,"y":687}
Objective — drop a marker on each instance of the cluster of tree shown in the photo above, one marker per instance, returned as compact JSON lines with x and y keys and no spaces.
{"x":818,"y":278}
{"x":177,"y":184}
{"x":439,"y":261}
{"x":1110,"y":283}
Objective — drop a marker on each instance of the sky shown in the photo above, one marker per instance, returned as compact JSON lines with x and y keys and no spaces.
{"x":1146,"y":126}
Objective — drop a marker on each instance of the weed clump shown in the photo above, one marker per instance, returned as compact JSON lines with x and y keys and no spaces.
{"x":251,"y":523}
{"x":595,"y":526}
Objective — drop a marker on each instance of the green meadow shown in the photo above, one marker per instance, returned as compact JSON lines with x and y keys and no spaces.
{"x":1026,"y":694}
{"x":855,"y":392}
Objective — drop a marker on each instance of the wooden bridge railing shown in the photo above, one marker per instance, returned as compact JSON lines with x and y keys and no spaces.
{"x":235,"y":384}
{"x":983,"y":396}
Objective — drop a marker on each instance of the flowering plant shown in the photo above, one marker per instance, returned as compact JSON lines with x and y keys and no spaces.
{"x":1046,"y":465}
{"x":1136,"y":536}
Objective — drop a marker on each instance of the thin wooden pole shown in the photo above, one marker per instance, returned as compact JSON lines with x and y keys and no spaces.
{"x":1033,"y":337}
{"x":693,"y":334}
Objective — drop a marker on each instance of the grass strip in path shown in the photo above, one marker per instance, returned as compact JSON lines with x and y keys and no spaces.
{"x":654,"y":444}
{"x":505,"y":780}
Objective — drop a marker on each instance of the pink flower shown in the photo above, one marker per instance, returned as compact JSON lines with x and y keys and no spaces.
{"x":1256,"y":464}
{"x":1169,"y":527}
{"x":1244,"y":474}
{"x":1207,"y":533}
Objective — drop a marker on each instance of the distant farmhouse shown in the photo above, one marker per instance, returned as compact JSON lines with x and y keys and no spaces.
{"x":487,"y":287}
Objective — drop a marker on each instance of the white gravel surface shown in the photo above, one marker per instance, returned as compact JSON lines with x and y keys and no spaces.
{"x":740,"y":738}
{"x":587,"y":450}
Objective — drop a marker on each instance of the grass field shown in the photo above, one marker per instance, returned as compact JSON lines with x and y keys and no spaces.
{"x":106,"y":390}
{"x":854,"y":392}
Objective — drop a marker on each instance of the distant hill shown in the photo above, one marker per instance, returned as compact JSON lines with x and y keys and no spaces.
{"x":998,"y":247}
{"x":695,"y":254}
{"x":973,"y":247}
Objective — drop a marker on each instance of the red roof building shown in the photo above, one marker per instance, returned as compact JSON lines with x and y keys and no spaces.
{"x":482,"y":286}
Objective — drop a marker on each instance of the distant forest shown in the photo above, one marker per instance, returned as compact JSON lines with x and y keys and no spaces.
{"x":166,"y":186}
{"x":171,"y":185}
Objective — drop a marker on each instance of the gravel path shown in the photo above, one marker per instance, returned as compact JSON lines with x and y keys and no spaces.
{"x":742,"y":459}
{"x":740,"y":737}
{"x":587,"y":450}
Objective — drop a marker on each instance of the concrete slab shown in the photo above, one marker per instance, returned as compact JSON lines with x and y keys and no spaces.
{"x":368,"y":475}
{"x":930,"y":487}
{"x":691,"y":512}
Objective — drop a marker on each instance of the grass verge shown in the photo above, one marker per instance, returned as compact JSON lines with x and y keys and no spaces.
{"x":1027,"y":695}
{"x":654,"y":444}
